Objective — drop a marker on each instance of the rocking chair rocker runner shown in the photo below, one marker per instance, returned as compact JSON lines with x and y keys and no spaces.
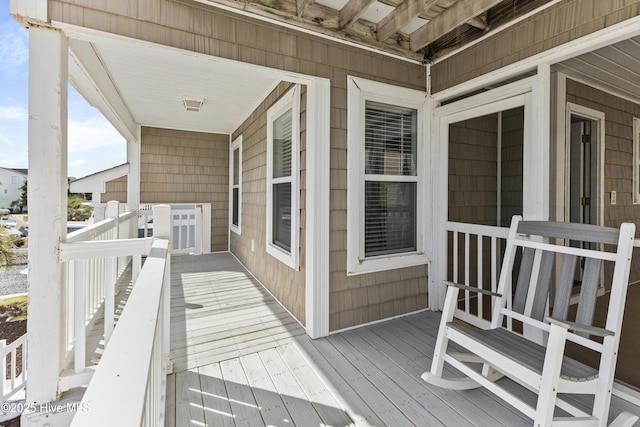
{"x":535,"y":359}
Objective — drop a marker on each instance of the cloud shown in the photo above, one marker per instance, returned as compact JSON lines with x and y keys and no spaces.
{"x":12,"y":163}
{"x":14,"y":50}
{"x":13,"y":112}
{"x":90,"y":134}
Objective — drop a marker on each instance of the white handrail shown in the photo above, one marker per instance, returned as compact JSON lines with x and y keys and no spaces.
{"x":14,"y":383}
{"x":128,"y":385}
{"x":93,"y":231}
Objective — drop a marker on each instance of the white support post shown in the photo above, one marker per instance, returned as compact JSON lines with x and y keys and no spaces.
{"x":133,"y":179}
{"x":47,"y":199}
{"x":162,"y":230}
{"x":112,"y":211}
{"x":317,"y":209}
{"x":536,"y":168}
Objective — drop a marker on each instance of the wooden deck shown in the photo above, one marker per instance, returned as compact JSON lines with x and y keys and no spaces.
{"x":241,"y":360}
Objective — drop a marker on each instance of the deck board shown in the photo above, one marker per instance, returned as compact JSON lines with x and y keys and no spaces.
{"x":241,"y":359}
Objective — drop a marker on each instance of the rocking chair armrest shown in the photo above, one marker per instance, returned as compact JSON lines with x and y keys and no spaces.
{"x":471,"y":289}
{"x":577,"y":327}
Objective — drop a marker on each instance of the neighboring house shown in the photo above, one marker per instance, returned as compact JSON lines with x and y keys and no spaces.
{"x":339,"y":163}
{"x":11,"y":182}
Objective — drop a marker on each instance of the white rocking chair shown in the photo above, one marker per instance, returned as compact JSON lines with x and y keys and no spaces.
{"x":535,"y":359}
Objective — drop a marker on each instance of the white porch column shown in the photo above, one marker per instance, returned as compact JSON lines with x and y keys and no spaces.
{"x":317,"y":209}
{"x":133,"y":179}
{"x":47,"y":199}
{"x":536,"y":168}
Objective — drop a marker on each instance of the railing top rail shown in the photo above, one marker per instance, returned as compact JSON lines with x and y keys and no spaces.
{"x":105,"y":248}
{"x":116,"y":393}
{"x":8,"y":348}
{"x":482,"y":230}
{"x":95,"y":230}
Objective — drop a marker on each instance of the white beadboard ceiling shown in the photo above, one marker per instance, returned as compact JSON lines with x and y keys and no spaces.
{"x":153,"y":83}
{"x":615,"y":68}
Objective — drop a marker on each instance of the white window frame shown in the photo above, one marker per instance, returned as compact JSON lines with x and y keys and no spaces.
{"x":290,"y":100}
{"x":636,"y":160}
{"x":358,"y":91}
{"x":235,"y":145}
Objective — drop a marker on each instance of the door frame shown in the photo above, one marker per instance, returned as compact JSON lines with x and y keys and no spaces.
{"x":532,"y":93}
{"x":572,"y":109}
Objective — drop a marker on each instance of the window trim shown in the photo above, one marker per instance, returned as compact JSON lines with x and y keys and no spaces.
{"x":636,"y":160}
{"x":358,"y":91}
{"x":290,"y":100}
{"x":235,"y":145}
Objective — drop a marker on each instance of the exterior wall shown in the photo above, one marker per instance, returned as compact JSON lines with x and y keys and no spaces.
{"x":10,"y":192}
{"x":116,"y":190}
{"x":182,"y":167}
{"x":618,"y":168}
{"x":567,"y":20}
{"x":473,"y":172}
{"x":473,"y":146}
{"x":196,"y":27}
{"x":511,"y":195}
{"x":286,"y":284}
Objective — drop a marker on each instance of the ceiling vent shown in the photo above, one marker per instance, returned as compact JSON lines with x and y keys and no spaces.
{"x":192,"y":104}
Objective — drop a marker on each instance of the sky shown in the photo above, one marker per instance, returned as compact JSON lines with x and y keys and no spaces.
{"x":94,"y":144}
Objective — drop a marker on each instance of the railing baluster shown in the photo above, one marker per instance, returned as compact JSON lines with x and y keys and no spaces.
{"x":479,"y":261}
{"x":3,"y":365}
{"x":13,"y":369}
{"x":467,"y":260}
{"x":80,"y":309}
{"x":455,"y":256}
{"x":109,"y":305}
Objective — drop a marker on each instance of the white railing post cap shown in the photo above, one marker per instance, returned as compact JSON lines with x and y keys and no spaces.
{"x":162,"y":221}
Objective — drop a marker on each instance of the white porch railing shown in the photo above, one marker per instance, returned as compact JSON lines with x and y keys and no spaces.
{"x":13,"y":384}
{"x":190,"y":226}
{"x":474,"y":254}
{"x":94,"y":259}
{"x":128,"y":387}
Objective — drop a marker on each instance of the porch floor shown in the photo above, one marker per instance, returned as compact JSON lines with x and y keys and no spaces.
{"x":241,"y":360}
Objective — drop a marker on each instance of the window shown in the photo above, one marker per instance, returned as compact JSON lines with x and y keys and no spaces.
{"x":235,"y":185}
{"x":282,"y":178}
{"x":385,"y":177}
{"x":14,"y":180}
{"x":636,"y":160}
{"x":6,"y":191}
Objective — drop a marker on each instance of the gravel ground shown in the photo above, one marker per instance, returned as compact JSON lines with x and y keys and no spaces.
{"x":11,"y":281}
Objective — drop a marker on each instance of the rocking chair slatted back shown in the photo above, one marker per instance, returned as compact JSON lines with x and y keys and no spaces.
{"x":533,"y":293}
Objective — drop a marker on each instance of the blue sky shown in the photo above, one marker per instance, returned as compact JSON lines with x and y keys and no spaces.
{"x":94,"y":144}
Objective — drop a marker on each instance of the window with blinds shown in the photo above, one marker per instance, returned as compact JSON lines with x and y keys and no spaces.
{"x":636,"y":161}
{"x":281,"y":181}
{"x":283,"y":173}
{"x":390,"y":167}
{"x":235,"y":184}
{"x":235,"y":216}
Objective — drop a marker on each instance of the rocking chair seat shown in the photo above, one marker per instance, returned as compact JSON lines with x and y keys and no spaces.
{"x":523,"y":351}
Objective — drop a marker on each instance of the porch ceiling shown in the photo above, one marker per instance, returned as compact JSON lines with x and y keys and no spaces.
{"x":151,"y":83}
{"x":614,"y":68}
